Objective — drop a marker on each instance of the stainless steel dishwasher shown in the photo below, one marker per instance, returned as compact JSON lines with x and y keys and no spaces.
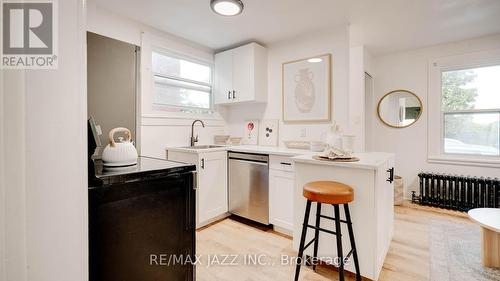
{"x":249,"y":186}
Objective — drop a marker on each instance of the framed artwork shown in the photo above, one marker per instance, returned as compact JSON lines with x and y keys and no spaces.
{"x":251,"y":132}
{"x":268,"y":134}
{"x":307,"y":90}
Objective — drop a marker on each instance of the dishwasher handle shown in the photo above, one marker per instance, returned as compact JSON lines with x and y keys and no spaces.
{"x":249,"y":156}
{"x":249,"y":161}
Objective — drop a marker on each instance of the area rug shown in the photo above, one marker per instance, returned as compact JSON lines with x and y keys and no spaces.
{"x":455,"y":253}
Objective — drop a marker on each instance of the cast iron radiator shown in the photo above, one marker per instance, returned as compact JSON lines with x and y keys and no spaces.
{"x":457,"y":192}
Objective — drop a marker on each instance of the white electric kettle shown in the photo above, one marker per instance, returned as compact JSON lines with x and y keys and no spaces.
{"x":119,"y":154}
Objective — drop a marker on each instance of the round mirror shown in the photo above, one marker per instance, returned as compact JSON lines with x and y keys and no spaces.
{"x":399,"y":109}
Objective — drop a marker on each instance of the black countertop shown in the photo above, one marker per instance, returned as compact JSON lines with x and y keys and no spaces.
{"x":146,"y":167}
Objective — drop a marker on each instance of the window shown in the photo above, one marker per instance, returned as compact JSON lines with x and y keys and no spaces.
{"x":463,"y":110}
{"x":181,"y":82}
{"x":470,"y":106}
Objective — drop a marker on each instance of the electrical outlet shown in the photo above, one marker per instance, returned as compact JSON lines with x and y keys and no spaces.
{"x":303,"y":133}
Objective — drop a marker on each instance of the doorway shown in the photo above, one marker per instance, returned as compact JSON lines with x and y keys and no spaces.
{"x":369,"y":112}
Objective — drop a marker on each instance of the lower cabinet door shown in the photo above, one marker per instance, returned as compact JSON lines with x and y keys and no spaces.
{"x":281,"y":186}
{"x":212,"y":186}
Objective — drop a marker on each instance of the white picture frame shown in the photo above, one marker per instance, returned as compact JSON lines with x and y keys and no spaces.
{"x":306,"y":90}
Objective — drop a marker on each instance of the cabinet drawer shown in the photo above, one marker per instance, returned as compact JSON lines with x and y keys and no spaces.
{"x":282,"y":163}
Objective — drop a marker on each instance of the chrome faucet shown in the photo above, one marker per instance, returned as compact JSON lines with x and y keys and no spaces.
{"x":194,"y":139}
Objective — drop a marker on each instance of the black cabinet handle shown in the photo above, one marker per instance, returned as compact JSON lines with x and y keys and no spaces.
{"x":203,"y":163}
{"x":228,"y":95}
{"x":284,"y":163}
{"x":391,"y":175}
{"x":234,"y":96}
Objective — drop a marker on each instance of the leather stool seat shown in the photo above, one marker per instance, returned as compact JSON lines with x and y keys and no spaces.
{"x":328,"y":192}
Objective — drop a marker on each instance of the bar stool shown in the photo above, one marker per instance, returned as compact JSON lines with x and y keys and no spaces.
{"x":334,"y":193}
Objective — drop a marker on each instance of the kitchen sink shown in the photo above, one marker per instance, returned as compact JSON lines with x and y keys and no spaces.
{"x":203,"y":146}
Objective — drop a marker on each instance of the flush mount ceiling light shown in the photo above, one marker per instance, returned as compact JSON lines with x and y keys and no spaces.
{"x":314,"y":60}
{"x":227,"y":7}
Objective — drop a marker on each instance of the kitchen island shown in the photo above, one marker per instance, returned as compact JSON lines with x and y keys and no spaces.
{"x":372,"y":210}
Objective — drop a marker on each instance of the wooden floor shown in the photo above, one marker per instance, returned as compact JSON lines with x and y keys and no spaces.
{"x":408,"y":258}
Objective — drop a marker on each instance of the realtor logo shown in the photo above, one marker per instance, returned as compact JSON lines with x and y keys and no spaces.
{"x":29,"y":37}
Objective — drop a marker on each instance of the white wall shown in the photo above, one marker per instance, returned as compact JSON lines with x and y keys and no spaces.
{"x":369,"y":100}
{"x":370,"y":111}
{"x":409,"y":70}
{"x":360,"y":62}
{"x":368,"y":61}
{"x":357,"y":96}
{"x":13,"y":162}
{"x":44,"y":162}
{"x":158,"y":128}
{"x":3,"y":274}
{"x":331,"y":40}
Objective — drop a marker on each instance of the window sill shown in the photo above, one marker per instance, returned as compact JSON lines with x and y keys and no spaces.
{"x":183,"y":115}
{"x":161,"y":111}
{"x":464,"y":161}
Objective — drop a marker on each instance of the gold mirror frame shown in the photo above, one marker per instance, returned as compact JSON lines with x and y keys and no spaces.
{"x":395,"y":91}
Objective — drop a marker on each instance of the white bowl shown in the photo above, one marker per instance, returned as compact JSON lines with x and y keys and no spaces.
{"x":318,"y":146}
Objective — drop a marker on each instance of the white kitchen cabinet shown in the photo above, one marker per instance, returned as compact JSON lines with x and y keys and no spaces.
{"x":281,"y":193}
{"x":212,"y":185}
{"x":223,"y":77}
{"x":241,"y":75}
{"x":244,"y":73}
{"x":281,"y":186}
{"x":211,"y":194}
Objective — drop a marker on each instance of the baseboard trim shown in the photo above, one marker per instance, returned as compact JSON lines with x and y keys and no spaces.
{"x":409,"y":204}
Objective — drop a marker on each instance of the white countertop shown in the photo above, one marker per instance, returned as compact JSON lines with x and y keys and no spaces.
{"x":367,"y":160}
{"x":273,"y":150}
{"x":194,"y":150}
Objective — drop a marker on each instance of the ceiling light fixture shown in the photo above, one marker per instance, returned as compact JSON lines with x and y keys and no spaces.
{"x":314,"y":60}
{"x":227,"y":7}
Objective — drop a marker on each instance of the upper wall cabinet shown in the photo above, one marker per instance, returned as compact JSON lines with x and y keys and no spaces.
{"x":241,"y":75}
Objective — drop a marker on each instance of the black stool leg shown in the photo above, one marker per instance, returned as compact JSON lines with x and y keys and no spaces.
{"x":302,"y":239}
{"x":316,"y":235}
{"x":353,"y":243}
{"x":339,"y":242}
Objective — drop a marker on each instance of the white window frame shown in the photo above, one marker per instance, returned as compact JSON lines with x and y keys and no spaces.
{"x":435,"y":126}
{"x":186,"y":109}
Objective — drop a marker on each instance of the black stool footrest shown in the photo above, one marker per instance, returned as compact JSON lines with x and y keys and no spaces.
{"x":309,"y":244}
{"x":346,"y":258}
{"x":322,"y":229}
{"x":348,"y":255}
{"x":332,"y":218}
